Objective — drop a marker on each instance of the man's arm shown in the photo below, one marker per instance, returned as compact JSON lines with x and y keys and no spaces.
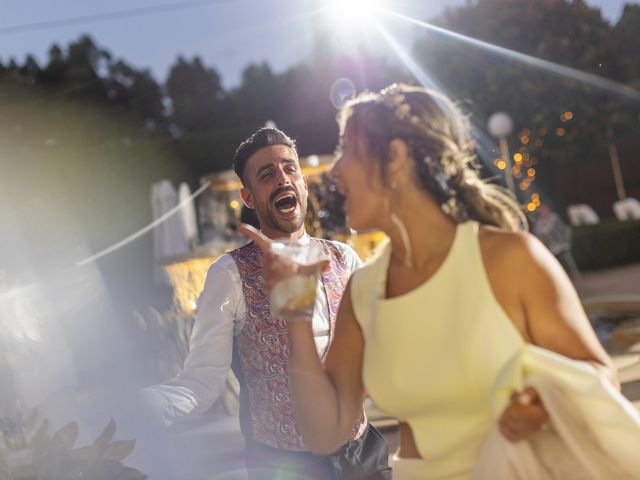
{"x":202,"y":379}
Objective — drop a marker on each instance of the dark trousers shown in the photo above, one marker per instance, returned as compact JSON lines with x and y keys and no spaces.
{"x":367,"y":457}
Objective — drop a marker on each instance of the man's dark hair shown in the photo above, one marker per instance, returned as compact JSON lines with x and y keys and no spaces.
{"x":265,"y":137}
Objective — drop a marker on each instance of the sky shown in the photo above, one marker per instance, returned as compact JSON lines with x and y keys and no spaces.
{"x":226,"y":34}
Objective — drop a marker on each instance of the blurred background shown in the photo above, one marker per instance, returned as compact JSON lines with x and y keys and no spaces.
{"x":118,"y":125}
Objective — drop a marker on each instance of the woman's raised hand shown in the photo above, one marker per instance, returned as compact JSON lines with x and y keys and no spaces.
{"x":277,"y":267}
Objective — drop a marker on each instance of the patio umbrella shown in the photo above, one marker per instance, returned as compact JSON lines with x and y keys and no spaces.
{"x":188,"y":213}
{"x":169,"y":237}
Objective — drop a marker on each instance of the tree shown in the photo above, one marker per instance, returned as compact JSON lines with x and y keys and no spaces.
{"x":136,"y":91}
{"x":54,"y":72}
{"x":87,"y":65}
{"x":261,"y":96}
{"x":556,"y":118}
{"x":628,"y":43}
{"x":30,"y":70}
{"x":196,"y":96}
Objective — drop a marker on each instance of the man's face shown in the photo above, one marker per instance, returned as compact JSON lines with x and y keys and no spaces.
{"x":276,"y":189}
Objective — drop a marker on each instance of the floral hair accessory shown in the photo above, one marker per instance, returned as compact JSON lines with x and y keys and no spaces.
{"x":392,"y":98}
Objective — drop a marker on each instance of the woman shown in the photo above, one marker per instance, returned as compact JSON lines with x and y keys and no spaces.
{"x":425,"y":328}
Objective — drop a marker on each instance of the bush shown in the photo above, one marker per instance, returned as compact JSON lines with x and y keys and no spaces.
{"x":608,"y":244}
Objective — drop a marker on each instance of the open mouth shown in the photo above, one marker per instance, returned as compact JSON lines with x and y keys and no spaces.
{"x":286,"y":203}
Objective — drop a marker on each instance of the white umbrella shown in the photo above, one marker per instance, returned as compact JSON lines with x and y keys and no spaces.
{"x":188,"y":213}
{"x":169,"y":237}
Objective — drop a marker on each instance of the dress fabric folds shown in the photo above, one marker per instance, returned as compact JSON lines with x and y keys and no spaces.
{"x":593,"y":431}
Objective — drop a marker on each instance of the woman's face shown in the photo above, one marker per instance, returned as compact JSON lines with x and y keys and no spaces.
{"x":357,"y":176}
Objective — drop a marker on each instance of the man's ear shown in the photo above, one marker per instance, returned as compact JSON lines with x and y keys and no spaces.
{"x":398,"y":157}
{"x":247,"y":197}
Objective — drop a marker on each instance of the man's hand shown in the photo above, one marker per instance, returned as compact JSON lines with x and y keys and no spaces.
{"x":524,"y":416}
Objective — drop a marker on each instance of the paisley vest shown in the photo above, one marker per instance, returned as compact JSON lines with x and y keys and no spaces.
{"x":261,"y":352}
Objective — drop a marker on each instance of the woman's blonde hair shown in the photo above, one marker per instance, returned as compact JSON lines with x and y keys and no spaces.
{"x":440,"y":142}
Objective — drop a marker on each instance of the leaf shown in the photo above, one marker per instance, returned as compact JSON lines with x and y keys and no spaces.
{"x":101,"y":442}
{"x":67,"y":435}
{"x":119,"y":449}
{"x":128,"y":473}
{"x":107,"y":434}
{"x":41,"y":437}
{"x":30,"y":422}
{"x":82,"y":453}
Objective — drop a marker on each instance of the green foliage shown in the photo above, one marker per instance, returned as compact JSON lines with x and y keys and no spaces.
{"x":608,"y":244}
{"x":166,"y":337}
{"x":628,"y":43}
{"x":569,"y":33}
{"x":53,"y":457}
{"x":77,"y":175}
{"x":86,"y":72}
{"x":196,"y":96}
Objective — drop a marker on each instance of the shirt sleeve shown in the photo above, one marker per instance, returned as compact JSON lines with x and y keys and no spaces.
{"x":202,"y":379}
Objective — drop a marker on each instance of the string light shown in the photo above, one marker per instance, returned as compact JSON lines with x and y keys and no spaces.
{"x":566,"y":116}
{"x":535,"y":199}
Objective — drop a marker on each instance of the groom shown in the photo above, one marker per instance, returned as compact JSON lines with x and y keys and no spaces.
{"x":234,"y":328}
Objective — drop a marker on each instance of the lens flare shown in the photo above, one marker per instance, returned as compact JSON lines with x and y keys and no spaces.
{"x":550,"y":67}
{"x":351,"y":14}
{"x":341,"y":92}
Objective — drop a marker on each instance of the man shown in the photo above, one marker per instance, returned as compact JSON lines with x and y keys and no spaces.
{"x":234,"y":327}
{"x":556,"y":236}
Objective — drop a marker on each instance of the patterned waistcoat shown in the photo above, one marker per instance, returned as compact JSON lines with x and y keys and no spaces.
{"x":261,"y":352}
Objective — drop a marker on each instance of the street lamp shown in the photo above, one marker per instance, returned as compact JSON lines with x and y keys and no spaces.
{"x":615,"y":165}
{"x":613,"y":156}
{"x":500,"y":126}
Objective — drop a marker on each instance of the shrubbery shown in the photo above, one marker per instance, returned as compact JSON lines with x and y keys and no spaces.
{"x":608,"y":244}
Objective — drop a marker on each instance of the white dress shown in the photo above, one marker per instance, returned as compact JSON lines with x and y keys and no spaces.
{"x":594,"y":432}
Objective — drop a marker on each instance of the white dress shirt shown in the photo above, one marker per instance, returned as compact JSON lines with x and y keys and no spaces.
{"x":220,"y":315}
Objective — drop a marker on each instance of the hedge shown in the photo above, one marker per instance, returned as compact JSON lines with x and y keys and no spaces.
{"x":605,"y":245}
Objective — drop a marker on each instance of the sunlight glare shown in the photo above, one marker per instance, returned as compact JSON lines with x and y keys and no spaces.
{"x":351,"y":15}
{"x":550,"y":67}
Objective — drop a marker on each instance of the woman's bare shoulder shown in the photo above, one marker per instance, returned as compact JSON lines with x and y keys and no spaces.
{"x":504,"y":244}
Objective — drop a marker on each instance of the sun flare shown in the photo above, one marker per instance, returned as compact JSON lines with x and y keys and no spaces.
{"x":352,"y":15}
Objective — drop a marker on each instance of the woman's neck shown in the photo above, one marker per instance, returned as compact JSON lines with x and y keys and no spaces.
{"x":429,"y":231}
